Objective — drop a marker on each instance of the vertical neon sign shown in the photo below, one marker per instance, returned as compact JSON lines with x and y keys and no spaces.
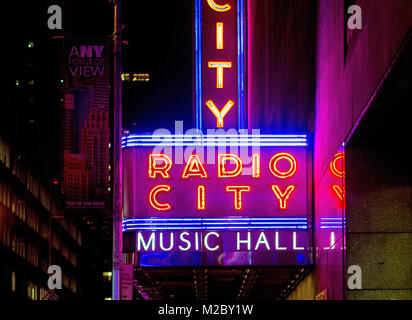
{"x":219,"y":50}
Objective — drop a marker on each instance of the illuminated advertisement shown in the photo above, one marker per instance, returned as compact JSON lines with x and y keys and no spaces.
{"x":198,"y":201}
{"x":86,"y":123}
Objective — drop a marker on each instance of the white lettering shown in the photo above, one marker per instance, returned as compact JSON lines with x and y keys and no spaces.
{"x":206,"y":243}
{"x":277,"y":243}
{"x":170,"y":243}
{"x":239,"y":242}
{"x":140,"y":241}
{"x":295,"y":247}
{"x":182,"y":238}
{"x":262,"y":239}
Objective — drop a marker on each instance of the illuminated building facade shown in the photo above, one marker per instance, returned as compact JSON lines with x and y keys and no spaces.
{"x":306,"y":72}
{"x":363,"y":91}
{"x":35,"y":235}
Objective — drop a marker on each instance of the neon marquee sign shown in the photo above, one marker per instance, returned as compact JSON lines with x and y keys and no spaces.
{"x":218,"y":200}
{"x":217,"y":207}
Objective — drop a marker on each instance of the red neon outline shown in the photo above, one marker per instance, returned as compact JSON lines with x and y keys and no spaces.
{"x":201,"y":201}
{"x":221,"y":165}
{"x":256,"y":165}
{"x":152,"y":197}
{"x":237,"y":197}
{"x":200,"y":166}
{"x":153,"y":169}
{"x":280,"y":156}
{"x":283,"y":197}
{"x":333,"y":168}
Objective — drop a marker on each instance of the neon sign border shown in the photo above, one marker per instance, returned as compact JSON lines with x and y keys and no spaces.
{"x":240,"y":65}
{"x":198,"y":50}
{"x":242,"y":140}
{"x":227,"y":223}
{"x":241,"y":62}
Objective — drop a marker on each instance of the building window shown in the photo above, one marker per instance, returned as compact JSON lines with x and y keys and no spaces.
{"x":107,"y":276}
{"x":125,"y":77}
{"x":141,"y":77}
{"x":32,"y":291}
{"x":13,"y":281}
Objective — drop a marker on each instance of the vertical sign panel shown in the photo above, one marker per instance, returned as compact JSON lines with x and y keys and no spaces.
{"x":86,"y":123}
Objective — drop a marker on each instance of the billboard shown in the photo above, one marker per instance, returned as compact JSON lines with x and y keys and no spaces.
{"x":86,"y":123}
{"x":203,"y":201}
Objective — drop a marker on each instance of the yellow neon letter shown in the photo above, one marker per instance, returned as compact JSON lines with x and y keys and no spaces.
{"x":338,"y":191}
{"x":220,"y":115}
{"x":219,"y":35}
{"x":217,"y":7}
{"x":219,"y":70}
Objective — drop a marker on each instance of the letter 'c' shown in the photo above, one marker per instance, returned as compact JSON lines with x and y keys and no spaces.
{"x":207,"y":243}
{"x":217,"y":7}
{"x":153,"y":197}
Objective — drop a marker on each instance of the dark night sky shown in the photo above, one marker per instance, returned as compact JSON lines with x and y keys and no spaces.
{"x":159,"y":42}
{"x":159,"y":36}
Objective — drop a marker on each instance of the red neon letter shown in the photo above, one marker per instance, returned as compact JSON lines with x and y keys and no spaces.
{"x":238,"y":195}
{"x":283,"y":174}
{"x":333,"y":168}
{"x":219,"y":65}
{"x":153,"y":200}
{"x":282,"y":196}
{"x":163,"y":170}
{"x":221,"y":165}
{"x":201,"y":203}
{"x":189,"y":170}
{"x":256,"y":165}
